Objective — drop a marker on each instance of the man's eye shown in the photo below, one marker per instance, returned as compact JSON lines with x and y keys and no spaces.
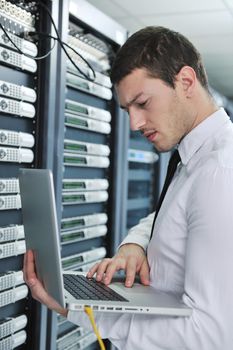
{"x":142,"y":104}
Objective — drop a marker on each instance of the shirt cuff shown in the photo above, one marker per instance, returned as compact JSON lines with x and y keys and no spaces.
{"x":136,"y":238}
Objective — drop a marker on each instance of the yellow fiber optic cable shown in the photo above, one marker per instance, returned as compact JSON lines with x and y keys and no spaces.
{"x":90,"y":314}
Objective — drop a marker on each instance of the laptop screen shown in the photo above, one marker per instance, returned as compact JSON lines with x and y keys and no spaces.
{"x":41,"y":228}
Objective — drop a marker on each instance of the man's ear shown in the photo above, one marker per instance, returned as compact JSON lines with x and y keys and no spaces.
{"x":187,"y":80}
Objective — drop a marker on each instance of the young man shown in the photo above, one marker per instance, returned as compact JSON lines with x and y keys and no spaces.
{"x":161,"y":82}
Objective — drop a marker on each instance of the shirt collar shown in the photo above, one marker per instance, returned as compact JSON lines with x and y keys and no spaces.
{"x":197,"y":136}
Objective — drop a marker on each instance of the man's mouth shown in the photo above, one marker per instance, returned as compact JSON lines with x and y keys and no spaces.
{"x":150,"y":135}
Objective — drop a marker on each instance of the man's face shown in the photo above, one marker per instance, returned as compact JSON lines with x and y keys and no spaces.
{"x":156,"y":109}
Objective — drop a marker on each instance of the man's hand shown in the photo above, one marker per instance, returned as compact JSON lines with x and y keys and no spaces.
{"x":37,"y":290}
{"x":131,"y":258}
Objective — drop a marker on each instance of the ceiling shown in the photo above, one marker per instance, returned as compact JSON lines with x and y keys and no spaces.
{"x":207,"y":23}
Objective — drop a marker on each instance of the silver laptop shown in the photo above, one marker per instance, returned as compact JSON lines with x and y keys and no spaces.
{"x":71,"y":288}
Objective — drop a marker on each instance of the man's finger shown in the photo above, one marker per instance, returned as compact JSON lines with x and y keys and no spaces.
{"x":131,"y":268}
{"x":116,"y":265}
{"x":92,"y":270}
{"x":101,"y":269}
{"x":29,"y":268}
{"x":144,"y":273}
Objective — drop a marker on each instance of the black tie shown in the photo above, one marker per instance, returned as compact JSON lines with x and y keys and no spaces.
{"x":172,"y":165}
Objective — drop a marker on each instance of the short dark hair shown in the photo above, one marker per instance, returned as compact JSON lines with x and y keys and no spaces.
{"x":162,"y":52}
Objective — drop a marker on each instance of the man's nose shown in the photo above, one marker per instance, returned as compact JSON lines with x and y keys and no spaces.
{"x":136,"y":120}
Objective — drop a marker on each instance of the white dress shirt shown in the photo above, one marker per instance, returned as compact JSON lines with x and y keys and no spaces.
{"x":191,"y":251}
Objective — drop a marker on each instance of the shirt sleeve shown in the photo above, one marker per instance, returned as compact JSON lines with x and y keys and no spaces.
{"x":208,"y":284}
{"x":140,"y":234}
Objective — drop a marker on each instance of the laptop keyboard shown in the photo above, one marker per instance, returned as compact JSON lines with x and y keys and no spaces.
{"x":81,"y":287}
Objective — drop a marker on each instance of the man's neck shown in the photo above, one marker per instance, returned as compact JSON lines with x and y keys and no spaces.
{"x":205,"y":107}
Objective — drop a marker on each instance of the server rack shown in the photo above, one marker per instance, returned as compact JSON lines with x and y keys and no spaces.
{"x":86,"y":149}
{"x":19,"y":147}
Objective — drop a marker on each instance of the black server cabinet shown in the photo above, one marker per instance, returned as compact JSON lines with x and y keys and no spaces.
{"x":20,"y":119}
{"x":87,"y":146}
{"x":28,"y":76}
